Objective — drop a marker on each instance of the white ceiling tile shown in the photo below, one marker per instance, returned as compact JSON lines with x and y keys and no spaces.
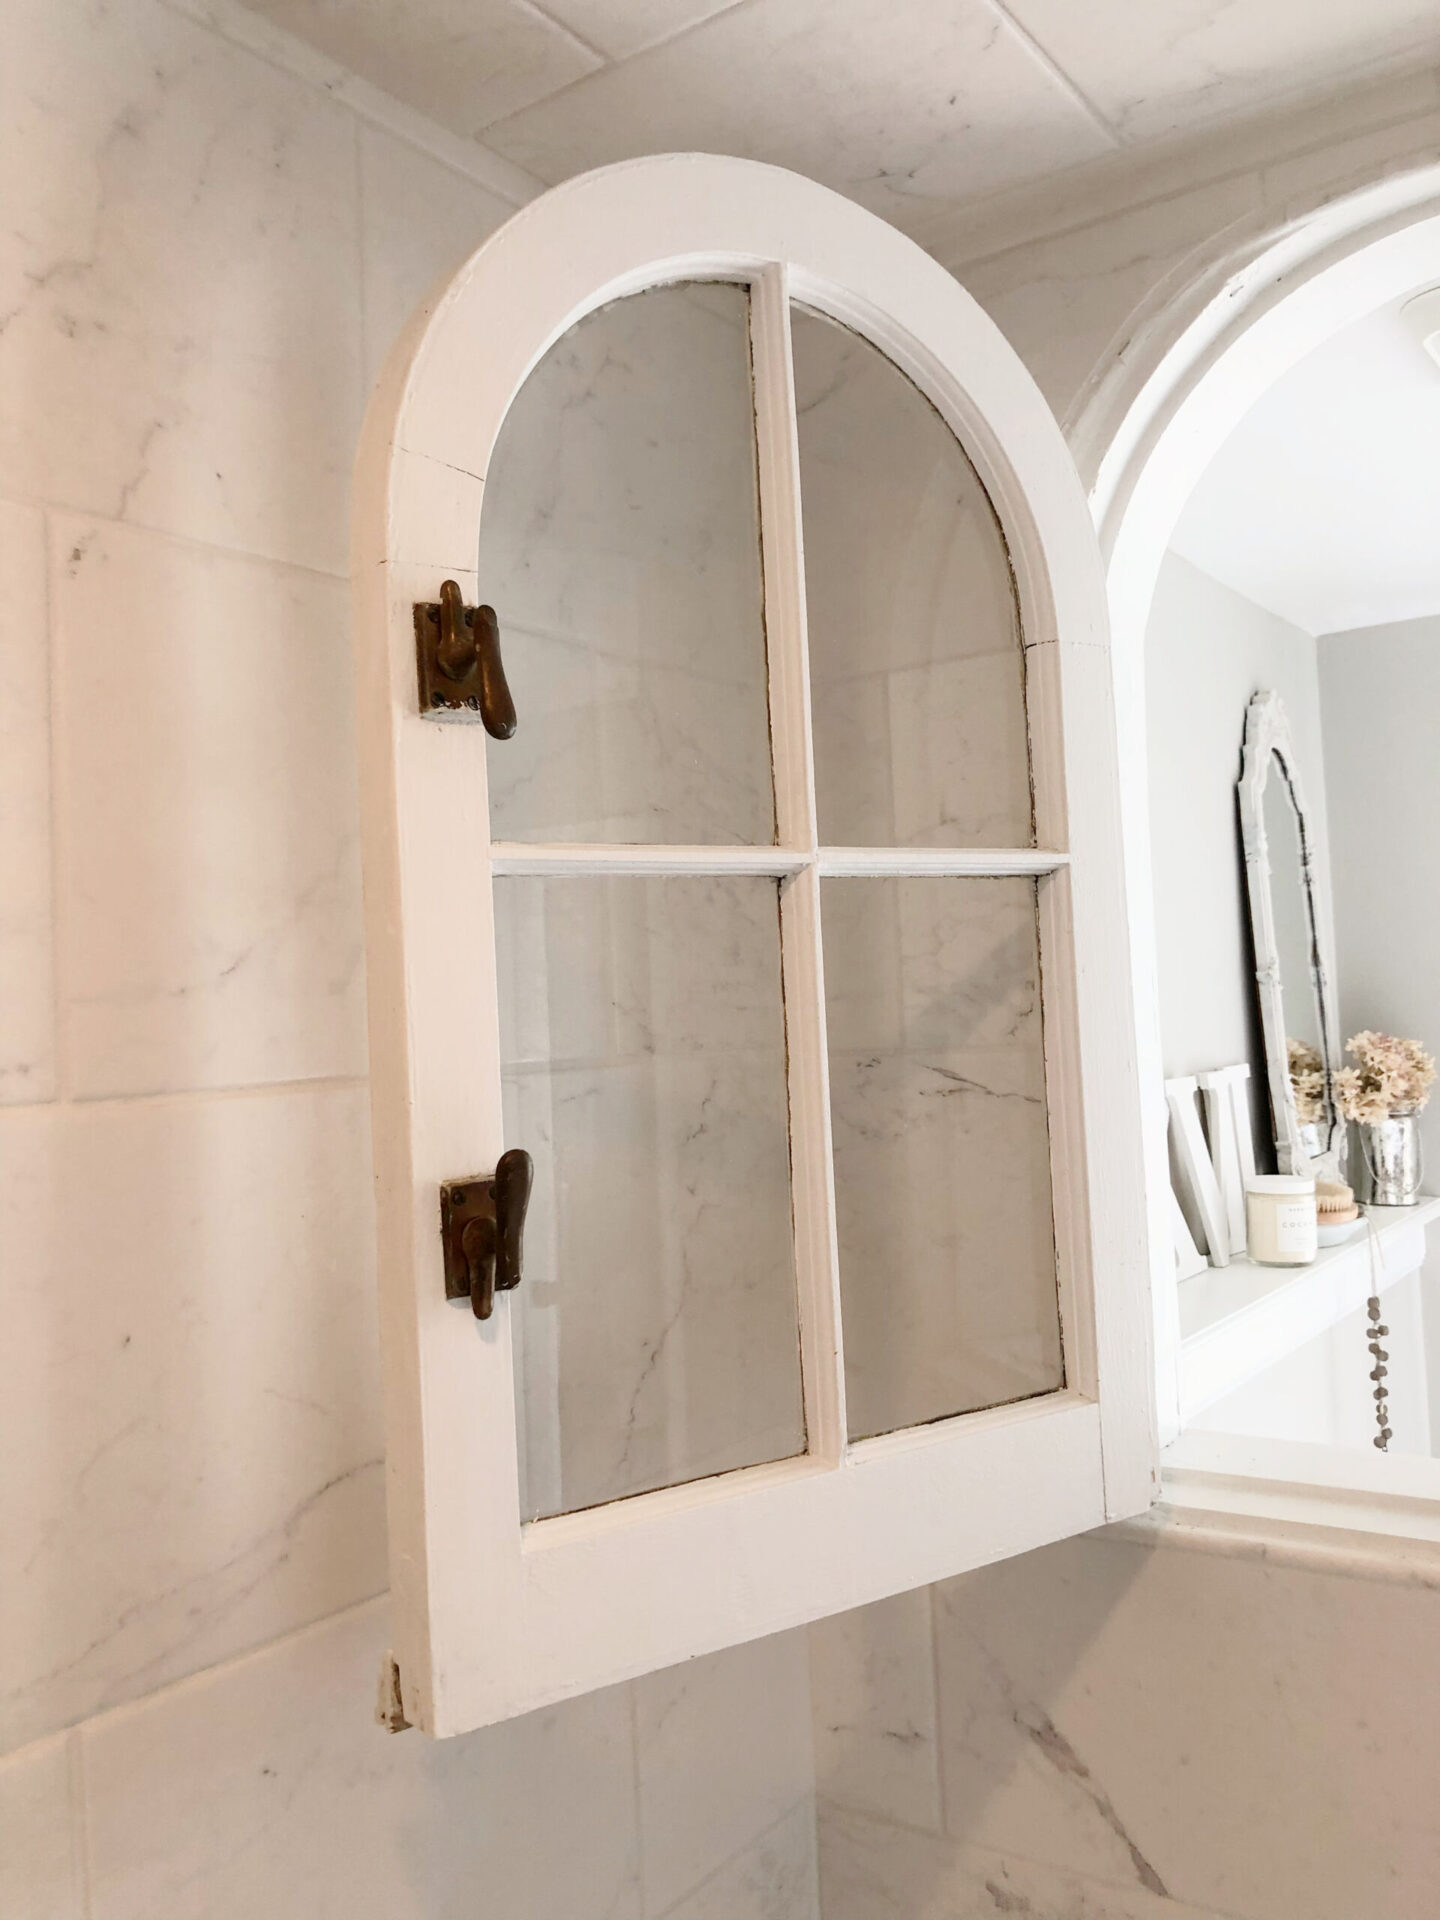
{"x":1169,"y":65}
{"x":618,"y":28}
{"x":948,"y":105}
{"x":461,"y":62}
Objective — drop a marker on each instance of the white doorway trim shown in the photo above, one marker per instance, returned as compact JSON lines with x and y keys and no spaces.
{"x":1161,"y":412}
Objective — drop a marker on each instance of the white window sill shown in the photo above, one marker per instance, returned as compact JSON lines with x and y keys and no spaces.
{"x":1294,"y":1482}
{"x":1238,"y":1321}
{"x":1336,"y":1531}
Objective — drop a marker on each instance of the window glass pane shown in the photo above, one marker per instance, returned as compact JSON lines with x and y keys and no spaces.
{"x":643,"y":1048}
{"x":620,"y":548}
{"x":942,"y":1171}
{"x":916,"y":668}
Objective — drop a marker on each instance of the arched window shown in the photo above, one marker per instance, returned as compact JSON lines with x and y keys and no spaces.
{"x":784,"y":933}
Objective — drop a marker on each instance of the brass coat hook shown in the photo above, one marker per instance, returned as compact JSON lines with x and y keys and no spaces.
{"x":457,"y":651}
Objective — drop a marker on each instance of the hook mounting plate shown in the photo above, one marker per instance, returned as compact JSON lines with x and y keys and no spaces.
{"x":482,"y":1223}
{"x":457,"y":655}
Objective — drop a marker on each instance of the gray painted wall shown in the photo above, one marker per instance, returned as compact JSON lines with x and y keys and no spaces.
{"x":1380,"y":704}
{"x":1208,"y":650}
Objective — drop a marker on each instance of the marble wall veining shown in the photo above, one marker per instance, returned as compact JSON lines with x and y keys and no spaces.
{"x":195,"y":1460}
{"x":917,"y":681}
{"x":642,"y":1038}
{"x":621,"y":534}
{"x":1127,"y":1726}
{"x":211,"y":934}
{"x":209,"y":240}
{"x":188,"y":216}
{"x":942,"y":1148}
{"x":1142,"y":1726}
{"x":1081,"y":271}
{"x":174,"y":457}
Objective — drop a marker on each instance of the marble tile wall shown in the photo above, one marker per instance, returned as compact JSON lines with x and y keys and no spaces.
{"x":175,"y":355}
{"x":1150,"y":75}
{"x":1077,"y":270}
{"x":1105,"y":1728}
{"x":211,"y":929}
{"x":635,"y":632}
{"x":643,"y":1048}
{"x":206,"y":248}
{"x":916,"y":672}
{"x":194,"y":1457}
{"x":942,"y":1150}
{"x":1122,"y":1728}
{"x":932,"y":987}
{"x":27,"y":1013}
{"x":192,"y":1460}
{"x":264,"y":1786}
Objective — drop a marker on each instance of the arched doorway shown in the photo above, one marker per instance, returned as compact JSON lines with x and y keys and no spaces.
{"x":1158,"y":417}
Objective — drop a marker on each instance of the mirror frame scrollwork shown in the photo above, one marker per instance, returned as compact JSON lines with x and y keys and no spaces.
{"x":1268,"y":747}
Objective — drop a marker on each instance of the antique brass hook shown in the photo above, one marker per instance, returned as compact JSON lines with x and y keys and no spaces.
{"x":482,"y":1226}
{"x":457,"y":651}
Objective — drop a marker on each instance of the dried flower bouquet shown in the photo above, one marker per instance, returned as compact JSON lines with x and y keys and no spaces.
{"x":1391,"y":1076}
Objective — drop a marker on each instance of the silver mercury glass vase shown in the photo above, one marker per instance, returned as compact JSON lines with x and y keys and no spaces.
{"x":1392,"y":1154}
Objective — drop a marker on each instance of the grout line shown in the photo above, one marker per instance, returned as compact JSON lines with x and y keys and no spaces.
{"x":13,"y":497}
{"x":746,"y":1847}
{"x":262,"y":1089}
{"x":1073,"y":181}
{"x":931,"y":1614}
{"x":286,"y":52}
{"x":640,"y":1878}
{"x":692,"y":26}
{"x":1068,"y":229}
{"x":1084,"y":1878}
{"x":1423,"y":121}
{"x":80,"y":1816}
{"x":178,"y":1096}
{"x":664,"y":39}
{"x":902,"y":1822}
{"x":488,"y":169}
{"x":203,"y":1676}
{"x":566,"y":33}
{"x":1055,"y":72}
{"x":640,"y":53}
{"x":58,"y":812}
{"x":362,"y":247}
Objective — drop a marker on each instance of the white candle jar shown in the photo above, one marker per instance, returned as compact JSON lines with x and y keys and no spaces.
{"x":1280,"y":1219}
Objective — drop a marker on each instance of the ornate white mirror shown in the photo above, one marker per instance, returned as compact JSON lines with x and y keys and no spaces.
{"x":1294,"y":971}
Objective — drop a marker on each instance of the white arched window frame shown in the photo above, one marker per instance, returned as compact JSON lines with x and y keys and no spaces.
{"x":493,"y":1617}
